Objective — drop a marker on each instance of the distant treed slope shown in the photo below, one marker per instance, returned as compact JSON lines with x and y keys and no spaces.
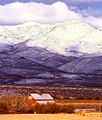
{"x":39,"y":66}
{"x":84,"y":65}
{"x":14,"y":67}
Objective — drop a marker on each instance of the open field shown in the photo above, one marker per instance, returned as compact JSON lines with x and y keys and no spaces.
{"x":48,"y":117}
{"x":67,"y":101}
{"x":79,"y":102}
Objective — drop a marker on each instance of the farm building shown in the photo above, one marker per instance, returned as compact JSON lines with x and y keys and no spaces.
{"x":43,"y":98}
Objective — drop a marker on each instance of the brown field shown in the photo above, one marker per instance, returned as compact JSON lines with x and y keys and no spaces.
{"x":67,"y":101}
{"x":79,"y":102}
{"x":50,"y":117}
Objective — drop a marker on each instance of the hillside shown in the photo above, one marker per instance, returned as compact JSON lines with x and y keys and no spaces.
{"x":68,"y":53}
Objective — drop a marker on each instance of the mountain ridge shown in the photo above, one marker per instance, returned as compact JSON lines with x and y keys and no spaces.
{"x":60,"y":37}
{"x":68,"y":53}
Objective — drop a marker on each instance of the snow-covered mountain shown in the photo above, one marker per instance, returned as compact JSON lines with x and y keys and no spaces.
{"x":68,"y":53}
{"x":68,"y":38}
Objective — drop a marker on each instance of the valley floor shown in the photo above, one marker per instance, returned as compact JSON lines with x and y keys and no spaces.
{"x":49,"y":117}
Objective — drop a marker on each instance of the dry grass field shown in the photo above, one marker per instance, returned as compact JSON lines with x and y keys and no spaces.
{"x":49,"y":117}
{"x":79,"y":102}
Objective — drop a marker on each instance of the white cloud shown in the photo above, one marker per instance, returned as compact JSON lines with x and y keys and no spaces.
{"x":86,"y":1}
{"x":89,"y":15}
{"x":21,"y":12}
{"x":18,"y":12}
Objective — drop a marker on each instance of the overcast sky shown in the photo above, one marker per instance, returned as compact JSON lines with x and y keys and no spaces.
{"x":50,"y":11}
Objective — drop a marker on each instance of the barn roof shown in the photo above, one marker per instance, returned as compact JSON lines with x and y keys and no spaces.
{"x":42,"y":96}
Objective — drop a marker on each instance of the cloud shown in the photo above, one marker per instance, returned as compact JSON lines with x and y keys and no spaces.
{"x":91,"y":16}
{"x":86,"y":1}
{"x":19,"y":12}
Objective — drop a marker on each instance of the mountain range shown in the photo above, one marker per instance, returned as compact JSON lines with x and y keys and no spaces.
{"x":67,"y":53}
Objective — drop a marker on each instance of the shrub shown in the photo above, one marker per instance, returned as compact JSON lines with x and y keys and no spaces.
{"x":67,"y":108}
{"x":11,"y":104}
{"x":54,"y":108}
{"x":3,"y":108}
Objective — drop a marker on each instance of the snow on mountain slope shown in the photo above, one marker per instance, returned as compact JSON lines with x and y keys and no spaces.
{"x":69,"y":38}
{"x":34,"y":53}
{"x":84,"y":65}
